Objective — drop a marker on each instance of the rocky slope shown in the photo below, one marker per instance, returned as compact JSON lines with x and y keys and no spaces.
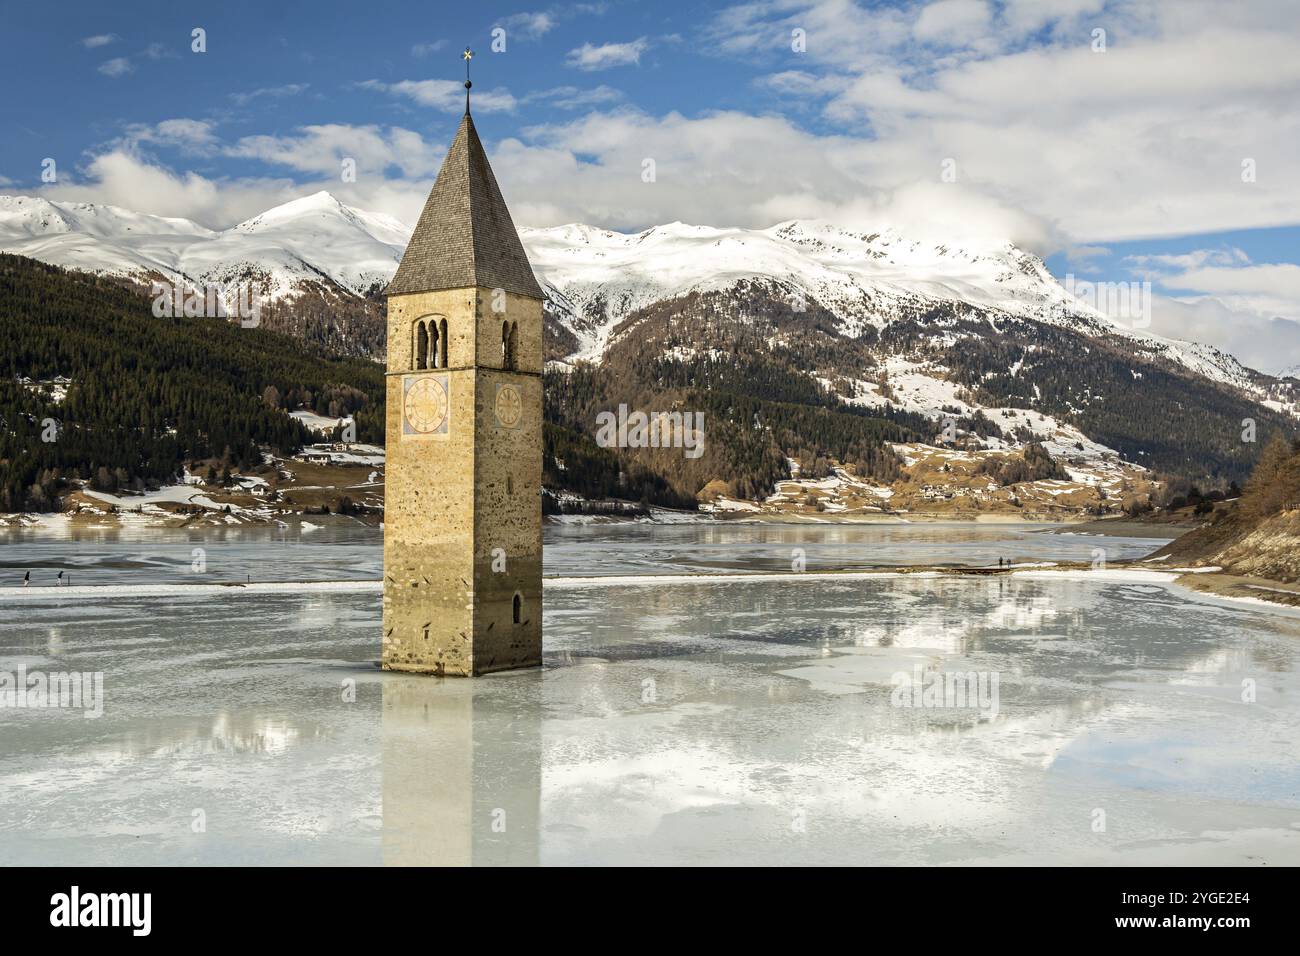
{"x":1258,"y":534}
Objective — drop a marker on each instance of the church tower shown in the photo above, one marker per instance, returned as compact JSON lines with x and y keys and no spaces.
{"x":462,"y":509}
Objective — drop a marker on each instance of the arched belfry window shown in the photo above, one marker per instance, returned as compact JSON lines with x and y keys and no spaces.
{"x":518,"y":608}
{"x":429,"y":344}
{"x":514,"y":344}
{"x":421,"y":345}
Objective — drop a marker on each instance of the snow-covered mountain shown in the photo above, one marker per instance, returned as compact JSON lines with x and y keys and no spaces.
{"x":806,"y":312}
{"x":304,"y":241}
{"x":594,"y":277}
{"x":862,"y":278}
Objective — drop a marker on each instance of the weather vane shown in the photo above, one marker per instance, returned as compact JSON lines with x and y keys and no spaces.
{"x":467,"y":55}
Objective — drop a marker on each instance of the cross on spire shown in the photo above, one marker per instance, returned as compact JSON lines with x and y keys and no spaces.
{"x":467,"y":56}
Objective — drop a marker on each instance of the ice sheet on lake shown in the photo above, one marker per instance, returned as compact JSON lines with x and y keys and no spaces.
{"x":686,"y":723}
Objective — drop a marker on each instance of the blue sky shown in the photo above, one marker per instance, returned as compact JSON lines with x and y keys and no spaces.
{"x":1119,"y":156}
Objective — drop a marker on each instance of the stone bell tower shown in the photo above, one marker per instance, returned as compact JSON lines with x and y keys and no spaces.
{"x":462,"y":510}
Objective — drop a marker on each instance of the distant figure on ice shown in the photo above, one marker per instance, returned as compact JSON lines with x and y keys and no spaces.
{"x":60,"y":581}
{"x":27,"y":579}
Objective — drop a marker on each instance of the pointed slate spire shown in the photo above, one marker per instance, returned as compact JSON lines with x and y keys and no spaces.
{"x":465,"y":236}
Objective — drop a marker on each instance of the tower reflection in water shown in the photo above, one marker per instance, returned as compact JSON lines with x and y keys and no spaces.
{"x":461,"y":770}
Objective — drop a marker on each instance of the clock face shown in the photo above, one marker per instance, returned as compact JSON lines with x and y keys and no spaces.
{"x":425,"y":406}
{"x":509,"y":406}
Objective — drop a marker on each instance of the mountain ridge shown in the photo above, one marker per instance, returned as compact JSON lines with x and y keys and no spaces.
{"x":875,"y":324}
{"x":866,"y":278}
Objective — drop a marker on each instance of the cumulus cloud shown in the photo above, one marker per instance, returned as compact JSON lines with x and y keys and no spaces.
{"x":729,"y":168}
{"x":322,"y":148}
{"x":101,"y":39}
{"x":1228,"y":275}
{"x":1219,"y":296}
{"x":187,"y":135}
{"x":1146,"y":139}
{"x":1269,"y":343}
{"x":591,"y":57}
{"x":123,"y":178}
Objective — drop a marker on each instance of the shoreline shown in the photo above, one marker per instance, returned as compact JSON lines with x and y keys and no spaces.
{"x":1236,"y":587}
{"x":1045,"y":524}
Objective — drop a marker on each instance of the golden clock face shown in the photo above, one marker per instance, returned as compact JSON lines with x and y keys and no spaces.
{"x":424,"y":406}
{"x":510,"y":405}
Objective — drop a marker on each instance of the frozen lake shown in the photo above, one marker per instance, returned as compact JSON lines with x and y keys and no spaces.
{"x":342,"y":550}
{"x":725,"y":722}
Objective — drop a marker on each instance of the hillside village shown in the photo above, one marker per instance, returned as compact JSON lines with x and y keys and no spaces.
{"x":335,"y":477}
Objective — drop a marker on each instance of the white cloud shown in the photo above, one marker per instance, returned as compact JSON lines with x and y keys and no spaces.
{"x":1192,"y":260}
{"x":188,"y":135}
{"x":424,"y":49}
{"x":447,"y":96}
{"x":952,"y":22}
{"x":804,"y":84}
{"x":1251,"y":310}
{"x":1146,"y":139}
{"x":1268,"y":343}
{"x":118,"y":66}
{"x":273,"y":92}
{"x":728,"y":168}
{"x":527,"y":26}
{"x":102,"y":39}
{"x":837,"y":32}
{"x":321,"y":149}
{"x":574,"y":98}
{"x":1022,"y":17}
{"x":607,"y":55}
{"x":125,"y":179}
{"x":1271,"y":289}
